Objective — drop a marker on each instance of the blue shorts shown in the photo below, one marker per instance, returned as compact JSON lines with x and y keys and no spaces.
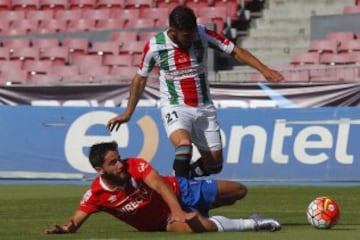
{"x":197,"y":195}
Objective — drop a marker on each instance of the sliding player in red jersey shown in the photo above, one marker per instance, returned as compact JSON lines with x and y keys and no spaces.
{"x":187,"y":110}
{"x":132,"y":191}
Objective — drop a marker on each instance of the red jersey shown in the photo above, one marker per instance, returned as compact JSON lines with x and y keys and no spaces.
{"x":136,"y":204}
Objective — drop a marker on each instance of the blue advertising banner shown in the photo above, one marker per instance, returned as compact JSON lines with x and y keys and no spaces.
{"x":299,"y":144}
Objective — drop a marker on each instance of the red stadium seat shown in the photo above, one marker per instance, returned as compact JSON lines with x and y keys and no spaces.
{"x":68,"y":14}
{"x":158,"y":15}
{"x":104,"y":48}
{"x":81,"y":25}
{"x":334,"y":58}
{"x":133,"y":4}
{"x":126,"y":14}
{"x":10,"y":65}
{"x":45,"y":79}
{"x":145,"y":36}
{"x":140,"y":23}
{"x":95,"y":72}
{"x":349,"y":45}
{"x":124,"y":73}
{"x":82,"y":4}
{"x":354,"y":58}
{"x":137,"y":58}
{"x":4,"y":26}
{"x":16,"y":43}
{"x":29,"y":25}
{"x":77,"y":47}
{"x":88,"y":61}
{"x":24,"y":5}
{"x":43,"y":43}
{"x":216,"y":14}
{"x":12,"y":15}
{"x":230,"y":5}
{"x":351,"y":9}
{"x":118,"y":60}
{"x":110,"y":4}
{"x":197,"y":5}
{"x":52,"y":26}
{"x":110,"y":24}
{"x":37,"y":67}
{"x":4,"y":54}
{"x":123,"y":37}
{"x":57,"y":55}
{"x":323,"y":46}
{"x":13,"y":75}
{"x":340,"y":36}
{"x":66,"y":72}
{"x":135,"y":47}
{"x":96,"y":14}
{"x":40,"y":15}
{"x":169,"y":4}
{"x":296,"y":76}
{"x":25,"y":54}
{"x":53,"y":4}
{"x":305,"y":58}
{"x":5,"y":5}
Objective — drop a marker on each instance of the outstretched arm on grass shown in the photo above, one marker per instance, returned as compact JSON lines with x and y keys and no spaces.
{"x":70,"y":226}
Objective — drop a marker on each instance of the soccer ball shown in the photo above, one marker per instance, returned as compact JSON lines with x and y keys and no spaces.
{"x":323,"y":212}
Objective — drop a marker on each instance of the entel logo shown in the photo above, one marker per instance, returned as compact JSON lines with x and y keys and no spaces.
{"x":76,"y":139}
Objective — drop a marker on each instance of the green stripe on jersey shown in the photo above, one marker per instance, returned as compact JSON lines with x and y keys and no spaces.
{"x":174,"y":98}
{"x":160,"y":39}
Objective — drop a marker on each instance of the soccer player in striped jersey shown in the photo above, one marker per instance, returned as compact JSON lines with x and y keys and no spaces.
{"x":187,"y":110}
{"x":133,"y":192}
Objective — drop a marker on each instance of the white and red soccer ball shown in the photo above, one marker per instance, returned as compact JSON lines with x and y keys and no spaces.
{"x":323,"y":212}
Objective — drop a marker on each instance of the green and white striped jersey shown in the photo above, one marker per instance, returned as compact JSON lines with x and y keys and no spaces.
{"x":182,"y":72}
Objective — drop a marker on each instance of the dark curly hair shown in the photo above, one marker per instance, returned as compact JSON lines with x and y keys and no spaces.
{"x":182,"y":18}
{"x":98,"y":151}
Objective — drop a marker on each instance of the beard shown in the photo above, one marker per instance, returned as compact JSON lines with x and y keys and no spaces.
{"x":119,"y":179}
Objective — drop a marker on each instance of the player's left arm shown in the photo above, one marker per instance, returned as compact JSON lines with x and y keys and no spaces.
{"x":242,"y":55}
{"x":155,"y":181}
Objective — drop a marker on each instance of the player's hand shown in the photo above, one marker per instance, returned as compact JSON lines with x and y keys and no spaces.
{"x":115,"y":122}
{"x":57,"y":229}
{"x":273,"y":76}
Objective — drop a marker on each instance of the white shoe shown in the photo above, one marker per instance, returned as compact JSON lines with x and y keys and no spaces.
{"x":268,"y":224}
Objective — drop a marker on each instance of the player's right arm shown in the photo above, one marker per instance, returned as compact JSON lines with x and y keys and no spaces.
{"x":71,"y":226}
{"x":136,"y":90}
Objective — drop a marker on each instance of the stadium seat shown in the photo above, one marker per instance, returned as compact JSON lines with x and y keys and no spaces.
{"x":12,"y":15}
{"x":340,"y":36}
{"x":123,"y":37}
{"x":27,"y":5}
{"x":110,"y":24}
{"x":96,"y":14}
{"x":104,"y":48}
{"x":82,"y":4}
{"x":140,"y":23}
{"x":124,"y":73}
{"x":305,"y":58}
{"x":145,"y":35}
{"x":37,"y":67}
{"x":231,"y":6}
{"x":169,"y":4}
{"x":40,"y":15}
{"x":52,"y":26}
{"x":5,"y":5}
{"x":4,"y":54}
{"x":29,"y":25}
{"x":25,"y":54}
{"x":66,"y":72}
{"x":137,"y":58}
{"x":81,"y":25}
{"x":296,"y":76}
{"x":4,"y":26}
{"x":53,"y":4}
{"x":349,"y":45}
{"x":334,"y":58}
{"x":138,"y":4}
{"x":43,"y":43}
{"x":126,"y":14}
{"x":10,"y":65}
{"x":323,"y":46}
{"x":77,"y":47}
{"x":216,"y":14}
{"x":158,"y":15}
{"x":197,"y":5}
{"x":135,"y":47}
{"x":45,"y":79}
{"x":354,"y":58}
{"x":57,"y":55}
{"x":88,"y":61}
{"x":68,"y":14}
{"x":351,"y":9}
{"x":122,"y":60}
{"x":110,"y":4}
{"x":16,"y":43}
{"x":14,"y":76}
{"x":95,"y":73}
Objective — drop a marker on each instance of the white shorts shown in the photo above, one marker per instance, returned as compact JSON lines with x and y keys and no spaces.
{"x":200,"y":122}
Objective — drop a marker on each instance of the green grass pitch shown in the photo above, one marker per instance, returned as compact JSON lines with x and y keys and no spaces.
{"x":27,"y":210}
